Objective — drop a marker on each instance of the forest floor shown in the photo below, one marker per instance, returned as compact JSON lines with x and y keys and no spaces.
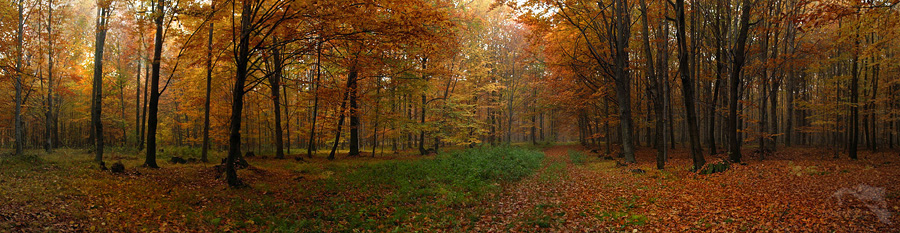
{"x":794,"y":189}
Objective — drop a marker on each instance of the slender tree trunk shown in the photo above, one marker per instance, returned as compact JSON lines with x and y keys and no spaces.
{"x":49,"y":115}
{"x":96,"y":99}
{"x":734,"y":141}
{"x":854,"y":94}
{"x":422,"y":150}
{"x":274,"y":83}
{"x":312,"y":129}
{"x":655,"y":90}
{"x":204,"y":154}
{"x":287,"y":120}
{"x":152,"y":118}
{"x":377,"y":108}
{"x":688,"y":86}
{"x":352,"y":83}
{"x":720,"y":68}
{"x":337,"y":133}
{"x":144,"y":107}
{"x":19,"y":130}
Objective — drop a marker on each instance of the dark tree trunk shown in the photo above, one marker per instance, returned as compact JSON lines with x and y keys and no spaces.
{"x":854,"y":95}
{"x":152,"y":118}
{"x":337,"y":133}
{"x":377,"y":108}
{"x":96,"y":98}
{"x":623,"y":79}
{"x":315,"y":111}
{"x":352,"y":84}
{"x":422,"y":150}
{"x":242,"y":60}
{"x":274,"y":83}
{"x":734,"y":141}
{"x":687,"y":86}
{"x":204,"y":154}
{"x":656,"y":92}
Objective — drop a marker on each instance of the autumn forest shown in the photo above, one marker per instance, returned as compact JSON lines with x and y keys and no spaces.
{"x":449,"y":115}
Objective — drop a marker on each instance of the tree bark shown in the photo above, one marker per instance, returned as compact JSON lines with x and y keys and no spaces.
{"x":352,"y":84}
{"x":337,"y":133}
{"x":152,"y":118}
{"x":49,"y":114}
{"x":734,"y":142}
{"x":19,"y":130}
{"x":204,"y":154}
{"x":854,"y":94}
{"x":144,"y":107}
{"x":688,"y":86}
{"x":623,"y":79}
{"x":242,"y":60}
{"x":312,"y":128}
{"x":96,"y":98}
{"x":274,"y":83}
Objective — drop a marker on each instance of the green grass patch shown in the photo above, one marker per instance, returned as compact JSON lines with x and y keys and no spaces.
{"x":555,"y":171}
{"x":624,"y":214}
{"x":404,"y":194}
{"x":577,"y":157}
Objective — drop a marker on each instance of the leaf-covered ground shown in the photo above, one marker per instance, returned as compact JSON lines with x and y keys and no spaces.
{"x":795,"y":189}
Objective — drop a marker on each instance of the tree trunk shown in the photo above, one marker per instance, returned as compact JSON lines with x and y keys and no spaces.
{"x":337,"y":133}
{"x":242,"y":60}
{"x":352,"y":81}
{"x":687,"y":86}
{"x":144,"y":107}
{"x":734,"y":142}
{"x":623,"y":79}
{"x":854,"y":94}
{"x":312,"y":128}
{"x":152,"y":118}
{"x":655,"y":91}
{"x":422,"y":150}
{"x":49,"y":114}
{"x":19,"y":130}
{"x":204,"y":154}
{"x":375,"y":122}
{"x":274,"y":83}
{"x":96,"y":98}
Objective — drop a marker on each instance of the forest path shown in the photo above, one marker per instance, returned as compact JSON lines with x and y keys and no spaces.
{"x":555,"y":198}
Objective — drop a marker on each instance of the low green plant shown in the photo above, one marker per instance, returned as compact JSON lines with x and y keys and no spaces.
{"x":427,"y":187}
{"x":577,"y":157}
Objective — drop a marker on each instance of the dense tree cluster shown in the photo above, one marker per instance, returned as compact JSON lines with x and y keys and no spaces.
{"x":292,"y":77}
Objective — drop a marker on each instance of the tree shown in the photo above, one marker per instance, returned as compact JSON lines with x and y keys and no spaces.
{"x":103,"y":11}
{"x":738,"y":50}
{"x":205,"y":148}
{"x":152,"y":118}
{"x":687,"y":85}
{"x":50,"y":121}
{"x":257,"y":21}
{"x":275,"y":86}
{"x":656,"y":88}
{"x":19,"y":125}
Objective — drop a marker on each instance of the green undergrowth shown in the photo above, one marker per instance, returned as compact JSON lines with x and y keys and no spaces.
{"x":419,"y":194}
